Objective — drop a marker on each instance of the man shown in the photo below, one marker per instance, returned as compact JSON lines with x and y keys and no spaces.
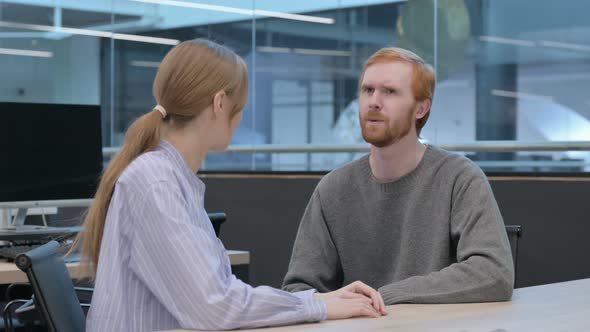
{"x":416,"y":222}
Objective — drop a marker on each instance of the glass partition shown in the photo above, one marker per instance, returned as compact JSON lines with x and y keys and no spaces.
{"x":512,"y":82}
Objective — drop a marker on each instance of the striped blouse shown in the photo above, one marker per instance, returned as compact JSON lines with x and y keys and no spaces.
{"x":162,"y":267}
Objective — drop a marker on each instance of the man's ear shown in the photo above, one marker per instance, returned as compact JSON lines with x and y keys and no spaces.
{"x":219,"y":102}
{"x":422,"y":108}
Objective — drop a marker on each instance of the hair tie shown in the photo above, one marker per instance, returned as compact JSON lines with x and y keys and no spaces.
{"x":161,"y":109}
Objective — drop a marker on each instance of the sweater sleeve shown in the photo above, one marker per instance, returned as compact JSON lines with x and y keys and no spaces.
{"x":314,"y":261}
{"x":484,"y":271}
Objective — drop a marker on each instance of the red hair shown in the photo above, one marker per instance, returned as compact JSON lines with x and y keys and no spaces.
{"x":423,"y":75}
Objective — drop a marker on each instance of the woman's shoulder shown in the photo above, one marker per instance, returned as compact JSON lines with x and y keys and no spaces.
{"x":148,"y":168}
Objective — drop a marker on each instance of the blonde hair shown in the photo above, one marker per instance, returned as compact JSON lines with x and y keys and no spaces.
{"x":187,"y":80}
{"x":423,"y":75}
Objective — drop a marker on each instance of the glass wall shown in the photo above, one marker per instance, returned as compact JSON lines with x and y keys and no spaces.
{"x":512,"y":85}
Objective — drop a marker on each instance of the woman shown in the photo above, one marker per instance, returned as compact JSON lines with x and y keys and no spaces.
{"x":147,"y":239}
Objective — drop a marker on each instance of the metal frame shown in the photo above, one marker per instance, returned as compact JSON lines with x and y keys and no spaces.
{"x":480,"y":146}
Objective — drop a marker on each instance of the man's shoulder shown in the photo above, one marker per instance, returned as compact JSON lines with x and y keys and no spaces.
{"x":456,"y":165}
{"x":344,"y":176}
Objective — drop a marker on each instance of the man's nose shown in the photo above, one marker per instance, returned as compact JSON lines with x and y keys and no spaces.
{"x":374,"y":102}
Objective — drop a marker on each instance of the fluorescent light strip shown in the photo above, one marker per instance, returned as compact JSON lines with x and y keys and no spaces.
{"x":39,"y":54}
{"x":567,"y":46}
{"x":521,"y":95}
{"x":500,"y":40}
{"x":308,"y":51}
{"x":295,"y":17}
{"x":303,"y":51}
{"x":149,"y":64}
{"x":146,"y":39}
{"x":530,"y":43}
{"x":249,"y":12}
{"x":271,"y":49}
{"x":199,"y":6}
{"x":94,"y":33}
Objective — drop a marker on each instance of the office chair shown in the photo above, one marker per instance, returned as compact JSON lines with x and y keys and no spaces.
{"x":54,"y":295}
{"x":217,"y":219}
{"x":11,"y":324}
{"x":514,"y":234}
{"x":49,"y":279}
{"x":16,"y":295}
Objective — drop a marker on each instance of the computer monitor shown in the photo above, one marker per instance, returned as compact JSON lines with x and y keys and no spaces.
{"x":51,"y":156}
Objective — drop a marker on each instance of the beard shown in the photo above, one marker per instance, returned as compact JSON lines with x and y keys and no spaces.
{"x":384,"y":134}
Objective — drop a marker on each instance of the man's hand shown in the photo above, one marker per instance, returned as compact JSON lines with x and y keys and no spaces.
{"x":357,"y":290}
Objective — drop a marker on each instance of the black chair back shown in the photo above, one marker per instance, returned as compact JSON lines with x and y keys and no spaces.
{"x":217,"y":218}
{"x":514,"y":235}
{"x":53,"y":290}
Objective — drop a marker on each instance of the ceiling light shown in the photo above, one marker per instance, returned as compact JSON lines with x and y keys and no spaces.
{"x":86,"y":32}
{"x":249,"y":12}
{"x":149,"y":64}
{"x":12,"y":51}
{"x":500,"y":40}
{"x":308,"y":51}
{"x":521,"y":95}
{"x":271,"y":49}
{"x":567,"y":46}
{"x":303,"y":51}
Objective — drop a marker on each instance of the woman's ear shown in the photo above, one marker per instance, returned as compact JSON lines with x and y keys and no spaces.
{"x":219,"y":102}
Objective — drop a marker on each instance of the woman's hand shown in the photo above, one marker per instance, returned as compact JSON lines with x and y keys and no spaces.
{"x":362,"y":293}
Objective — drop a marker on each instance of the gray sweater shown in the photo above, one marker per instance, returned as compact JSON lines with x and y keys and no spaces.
{"x":433,"y":236}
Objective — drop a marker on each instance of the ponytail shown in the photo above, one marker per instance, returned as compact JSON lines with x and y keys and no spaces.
{"x":187,"y":79}
{"x":142,"y":136}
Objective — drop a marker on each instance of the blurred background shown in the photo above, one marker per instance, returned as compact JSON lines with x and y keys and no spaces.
{"x":512,"y":89}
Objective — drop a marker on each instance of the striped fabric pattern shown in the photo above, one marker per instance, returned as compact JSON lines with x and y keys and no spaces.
{"x":162,"y":267}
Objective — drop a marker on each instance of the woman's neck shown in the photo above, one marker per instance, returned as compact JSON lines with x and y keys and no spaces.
{"x":188,"y":143}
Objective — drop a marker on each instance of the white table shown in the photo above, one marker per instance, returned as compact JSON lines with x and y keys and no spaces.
{"x":556,"y":307}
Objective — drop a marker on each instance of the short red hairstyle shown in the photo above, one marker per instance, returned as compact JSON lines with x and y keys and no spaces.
{"x":423,"y":75}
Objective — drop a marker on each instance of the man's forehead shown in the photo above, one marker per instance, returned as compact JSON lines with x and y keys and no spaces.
{"x":383,"y":79}
{"x":394,"y":66}
{"x":390,"y":72}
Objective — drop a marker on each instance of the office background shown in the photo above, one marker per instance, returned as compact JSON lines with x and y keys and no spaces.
{"x":516,"y":71}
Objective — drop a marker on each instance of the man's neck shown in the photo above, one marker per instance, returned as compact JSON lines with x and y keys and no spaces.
{"x":394,"y":161}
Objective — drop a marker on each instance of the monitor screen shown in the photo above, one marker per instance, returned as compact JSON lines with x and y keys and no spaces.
{"x":49,"y":151}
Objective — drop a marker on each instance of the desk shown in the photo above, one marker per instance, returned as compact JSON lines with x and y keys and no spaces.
{"x":9,"y":273}
{"x":556,"y":307}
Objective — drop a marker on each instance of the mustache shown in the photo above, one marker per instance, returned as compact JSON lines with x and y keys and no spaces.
{"x":373,"y":118}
